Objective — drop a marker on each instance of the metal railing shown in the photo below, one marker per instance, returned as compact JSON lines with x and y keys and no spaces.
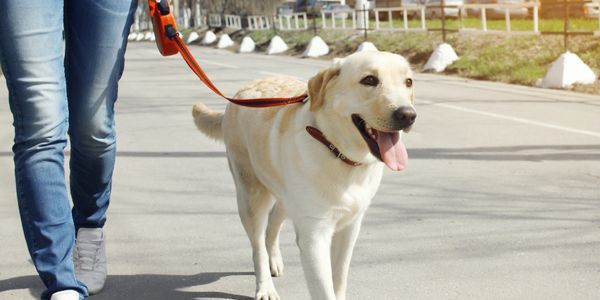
{"x":566,"y":32}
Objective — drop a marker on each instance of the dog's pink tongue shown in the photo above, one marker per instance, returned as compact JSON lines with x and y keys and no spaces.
{"x":393,"y":152}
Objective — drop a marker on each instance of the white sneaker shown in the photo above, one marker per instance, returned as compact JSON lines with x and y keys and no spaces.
{"x":89,"y":257}
{"x":65,"y":295}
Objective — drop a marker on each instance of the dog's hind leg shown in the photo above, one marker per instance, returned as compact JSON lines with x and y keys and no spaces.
{"x":254,"y":203}
{"x":276,"y":218}
{"x":341,"y":252}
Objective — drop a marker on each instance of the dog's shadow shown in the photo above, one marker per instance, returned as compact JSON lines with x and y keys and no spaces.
{"x":142,"y":286}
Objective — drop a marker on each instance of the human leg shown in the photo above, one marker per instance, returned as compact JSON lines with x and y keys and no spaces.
{"x":96,"y":36}
{"x":31,"y":52}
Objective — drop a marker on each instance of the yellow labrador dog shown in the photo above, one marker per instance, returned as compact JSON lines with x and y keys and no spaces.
{"x":323,"y":180}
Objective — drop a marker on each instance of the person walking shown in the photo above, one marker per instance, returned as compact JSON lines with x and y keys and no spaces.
{"x":62,"y":60}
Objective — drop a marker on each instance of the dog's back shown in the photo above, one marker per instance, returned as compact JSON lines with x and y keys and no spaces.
{"x":210,"y":122}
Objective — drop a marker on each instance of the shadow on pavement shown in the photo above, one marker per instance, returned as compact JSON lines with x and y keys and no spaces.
{"x":511,"y":153}
{"x":154,"y":154}
{"x":500,"y":153}
{"x":142,"y":286}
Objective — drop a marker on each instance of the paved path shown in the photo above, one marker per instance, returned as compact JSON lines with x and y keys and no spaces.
{"x":501,"y":199}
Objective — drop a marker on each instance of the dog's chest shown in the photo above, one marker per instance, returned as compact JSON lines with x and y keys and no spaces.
{"x":352,"y":191}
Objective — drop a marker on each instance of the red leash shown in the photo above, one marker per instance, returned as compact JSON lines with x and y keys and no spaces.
{"x":169,"y":42}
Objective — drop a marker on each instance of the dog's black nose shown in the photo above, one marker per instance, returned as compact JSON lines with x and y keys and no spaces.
{"x":406,"y":116}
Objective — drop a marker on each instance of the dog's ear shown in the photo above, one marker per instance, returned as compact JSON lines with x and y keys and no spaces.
{"x":318,"y":84}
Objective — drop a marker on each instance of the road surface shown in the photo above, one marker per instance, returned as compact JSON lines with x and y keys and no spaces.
{"x":501,"y":199}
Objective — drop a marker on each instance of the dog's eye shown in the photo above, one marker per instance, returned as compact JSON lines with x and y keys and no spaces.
{"x":408,"y":82}
{"x":370,"y":80}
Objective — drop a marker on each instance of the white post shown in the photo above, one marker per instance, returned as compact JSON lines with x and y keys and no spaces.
{"x":390,"y":19}
{"x":598,"y":7}
{"x":363,"y":16}
{"x":507,"y":18}
{"x":197,"y":17}
{"x":176,"y":10}
{"x":483,"y":20}
{"x":305,"y":20}
{"x":332,"y":19}
{"x":405,"y":19}
{"x":536,"y":28}
{"x":423,"y":18}
{"x":324,"y":20}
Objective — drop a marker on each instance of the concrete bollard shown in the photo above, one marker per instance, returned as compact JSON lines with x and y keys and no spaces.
{"x":277,"y":45}
{"x":316,"y":47}
{"x":567,"y":70}
{"x":442,"y":57}
{"x":247,"y":45}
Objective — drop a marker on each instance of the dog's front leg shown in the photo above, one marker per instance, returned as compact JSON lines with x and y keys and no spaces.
{"x":341,"y":252}
{"x":313,"y":237}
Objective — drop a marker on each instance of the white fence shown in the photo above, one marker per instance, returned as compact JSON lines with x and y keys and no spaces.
{"x":300,"y":21}
{"x":339,"y":19}
{"x":233,"y":21}
{"x":411,"y":9}
{"x":394,"y":18}
{"x":214,"y":20}
{"x":259,"y":22}
{"x":507,"y":8}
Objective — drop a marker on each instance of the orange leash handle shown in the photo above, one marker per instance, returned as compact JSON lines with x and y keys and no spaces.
{"x":169,"y":42}
{"x":163,"y":20}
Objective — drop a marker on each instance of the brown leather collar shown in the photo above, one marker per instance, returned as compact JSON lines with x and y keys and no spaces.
{"x":318,"y":135}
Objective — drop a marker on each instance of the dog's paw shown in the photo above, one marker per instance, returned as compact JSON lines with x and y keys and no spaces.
{"x":267,"y":294}
{"x":276,"y":264}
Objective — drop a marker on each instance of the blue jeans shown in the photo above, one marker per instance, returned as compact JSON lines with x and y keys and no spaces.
{"x":62,"y":60}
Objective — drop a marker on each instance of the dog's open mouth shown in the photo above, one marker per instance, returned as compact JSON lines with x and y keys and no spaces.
{"x":386,"y":146}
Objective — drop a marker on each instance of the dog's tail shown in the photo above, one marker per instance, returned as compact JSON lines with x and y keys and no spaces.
{"x":208,"y":121}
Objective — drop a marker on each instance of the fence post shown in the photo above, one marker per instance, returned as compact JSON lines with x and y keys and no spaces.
{"x":598,"y":7}
{"x":423,"y":26}
{"x":483,"y":19}
{"x":566,"y":27}
{"x":536,"y":18}
{"x":507,"y":18}
{"x":405,"y":19}
{"x":443,"y":21}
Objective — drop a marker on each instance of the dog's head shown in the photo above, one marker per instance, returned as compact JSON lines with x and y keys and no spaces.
{"x":362,"y":103}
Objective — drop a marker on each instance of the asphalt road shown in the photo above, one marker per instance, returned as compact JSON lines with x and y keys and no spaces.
{"x":501,"y":199}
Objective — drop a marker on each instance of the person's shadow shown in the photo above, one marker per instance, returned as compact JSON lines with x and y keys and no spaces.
{"x":142,"y":286}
